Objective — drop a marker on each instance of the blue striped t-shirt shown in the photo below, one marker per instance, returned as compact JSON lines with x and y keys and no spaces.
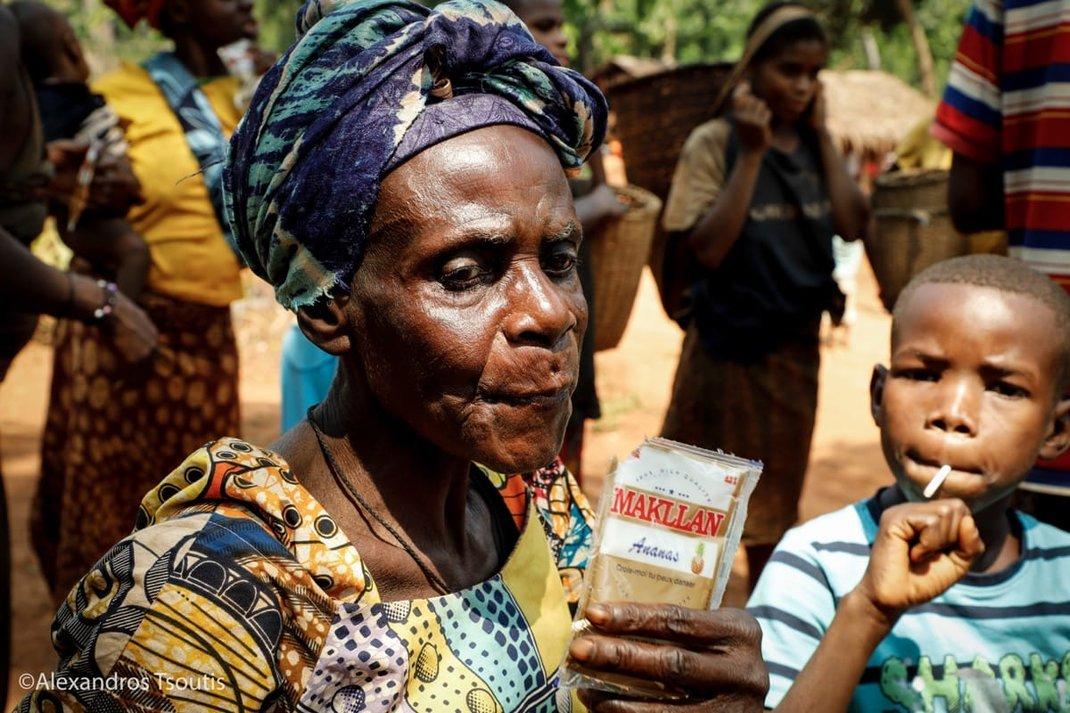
{"x":996,"y":642}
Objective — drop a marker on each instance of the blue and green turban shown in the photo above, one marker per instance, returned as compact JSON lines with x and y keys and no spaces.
{"x":367,"y":85}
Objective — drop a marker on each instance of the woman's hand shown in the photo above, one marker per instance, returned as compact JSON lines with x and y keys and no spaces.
{"x":115,"y":188}
{"x":133,"y":332}
{"x":713,"y":657}
{"x":920,"y":551}
{"x":609,"y":203}
{"x":753,"y":120}
{"x":818,"y":116}
{"x":66,"y":156}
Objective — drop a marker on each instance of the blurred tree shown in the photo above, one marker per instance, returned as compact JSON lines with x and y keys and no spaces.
{"x":713,"y":30}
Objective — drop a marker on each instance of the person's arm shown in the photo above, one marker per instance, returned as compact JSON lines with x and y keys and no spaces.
{"x":718,"y":230}
{"x":969,"y":121}
{"x":850,"y":209}
{"x":975,"y":195}
{"x":601,"y":203}
{"x":29,"y":285}
{"x":113,"y":244}
{"x":595,"y":207}
{"x":921,"y":550}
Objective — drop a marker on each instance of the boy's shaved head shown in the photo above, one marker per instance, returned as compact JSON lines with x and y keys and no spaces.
{"x":1006,"y":275}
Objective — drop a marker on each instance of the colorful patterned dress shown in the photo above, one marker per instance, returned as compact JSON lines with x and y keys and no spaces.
{"x":238,"y":592}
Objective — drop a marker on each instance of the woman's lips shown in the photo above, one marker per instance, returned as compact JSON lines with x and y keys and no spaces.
{"x":542,"y":398}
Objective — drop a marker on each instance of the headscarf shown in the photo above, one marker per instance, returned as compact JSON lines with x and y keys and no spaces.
{"x":368,"y":84}
{"x":777,"y":18}
{"x":134,"y":11}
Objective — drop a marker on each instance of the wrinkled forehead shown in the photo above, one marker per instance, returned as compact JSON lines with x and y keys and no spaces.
{"x":491,"y":176}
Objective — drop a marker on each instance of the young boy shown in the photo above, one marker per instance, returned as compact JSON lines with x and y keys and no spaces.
{"x":958,"y":603}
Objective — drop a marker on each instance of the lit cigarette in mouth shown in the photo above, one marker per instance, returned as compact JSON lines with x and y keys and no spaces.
{"x":937,"y":481}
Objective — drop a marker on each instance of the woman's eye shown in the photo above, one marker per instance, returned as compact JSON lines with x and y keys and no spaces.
{"x":463,"y":274}
{"x":560,"y":262}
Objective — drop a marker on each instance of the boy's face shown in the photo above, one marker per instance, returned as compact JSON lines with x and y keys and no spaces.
{"x":972,"y":384}
{"x":546,"y":22}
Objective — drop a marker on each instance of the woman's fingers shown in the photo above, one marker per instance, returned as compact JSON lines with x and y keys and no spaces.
{"x":680,"y":625}
{"x":696,"y":673}
{"x":599,"y":702}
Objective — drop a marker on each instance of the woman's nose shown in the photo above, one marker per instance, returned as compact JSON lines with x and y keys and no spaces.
{"x":956,"y":410}
{"x":541,"y":313}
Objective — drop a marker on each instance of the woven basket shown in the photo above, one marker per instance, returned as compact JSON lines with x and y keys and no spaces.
{"x":655,"y":115}
{"x":913,"y":229}
{"x":618,"y":254}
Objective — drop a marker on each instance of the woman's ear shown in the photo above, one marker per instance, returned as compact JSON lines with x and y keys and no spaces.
{"x":1058,"y":438}
{"x":326,"y":324}
{"x":876,"y":393}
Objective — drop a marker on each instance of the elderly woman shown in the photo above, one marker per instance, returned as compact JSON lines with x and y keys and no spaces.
{"x":399,"y":181}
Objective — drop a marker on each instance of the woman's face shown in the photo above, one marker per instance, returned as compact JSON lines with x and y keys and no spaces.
{"x":218,"y":22}
{"x":467,"y":310}
{"x":788,"y":80}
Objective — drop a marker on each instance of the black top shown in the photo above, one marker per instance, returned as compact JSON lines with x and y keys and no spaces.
{"x":776,"y":280}
{"x":64,"y":107}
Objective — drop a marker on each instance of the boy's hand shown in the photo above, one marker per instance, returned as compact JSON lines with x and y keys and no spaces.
{"x":713,"y":657}
{"x":753,"y":118}
{"x":921,"y":550}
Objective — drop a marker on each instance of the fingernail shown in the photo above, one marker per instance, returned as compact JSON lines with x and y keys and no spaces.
{"x":581,"y":649}
{"x":597,"y":614}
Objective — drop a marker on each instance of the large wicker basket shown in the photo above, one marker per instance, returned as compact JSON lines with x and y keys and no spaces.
{"x":618,"y":254}
{"x":655,"y":115}
{"x":913,"y":229}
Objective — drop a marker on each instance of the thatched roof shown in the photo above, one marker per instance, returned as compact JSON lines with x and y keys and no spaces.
{"x":624,"y":67}
{"x":872,"y":111}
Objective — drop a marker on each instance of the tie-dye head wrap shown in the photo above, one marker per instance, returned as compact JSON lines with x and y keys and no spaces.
{"x":369,"y":84}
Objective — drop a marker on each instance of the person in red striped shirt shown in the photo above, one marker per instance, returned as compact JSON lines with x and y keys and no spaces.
{"x":1006,"y":116}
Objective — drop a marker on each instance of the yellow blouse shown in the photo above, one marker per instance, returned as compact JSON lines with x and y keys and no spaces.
{"x":190,"y":258}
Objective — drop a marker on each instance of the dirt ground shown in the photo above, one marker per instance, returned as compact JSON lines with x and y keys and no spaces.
{"x":634,"y":382}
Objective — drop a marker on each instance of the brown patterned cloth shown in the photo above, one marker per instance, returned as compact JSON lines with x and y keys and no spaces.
{"x":763,"y":410}
{"x":112,"y":428}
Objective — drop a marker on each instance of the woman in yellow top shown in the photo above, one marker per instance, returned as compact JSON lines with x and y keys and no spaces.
{"x":109,"y":426}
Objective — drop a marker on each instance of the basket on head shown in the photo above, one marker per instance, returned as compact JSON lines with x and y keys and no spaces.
{"x":618,"y":255}
{"x":913,"y":228}
{"x":654,"y":116}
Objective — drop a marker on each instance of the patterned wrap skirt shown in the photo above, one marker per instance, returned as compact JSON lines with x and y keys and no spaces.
{"x":763,"y":410}
{"x":114,"y":429}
